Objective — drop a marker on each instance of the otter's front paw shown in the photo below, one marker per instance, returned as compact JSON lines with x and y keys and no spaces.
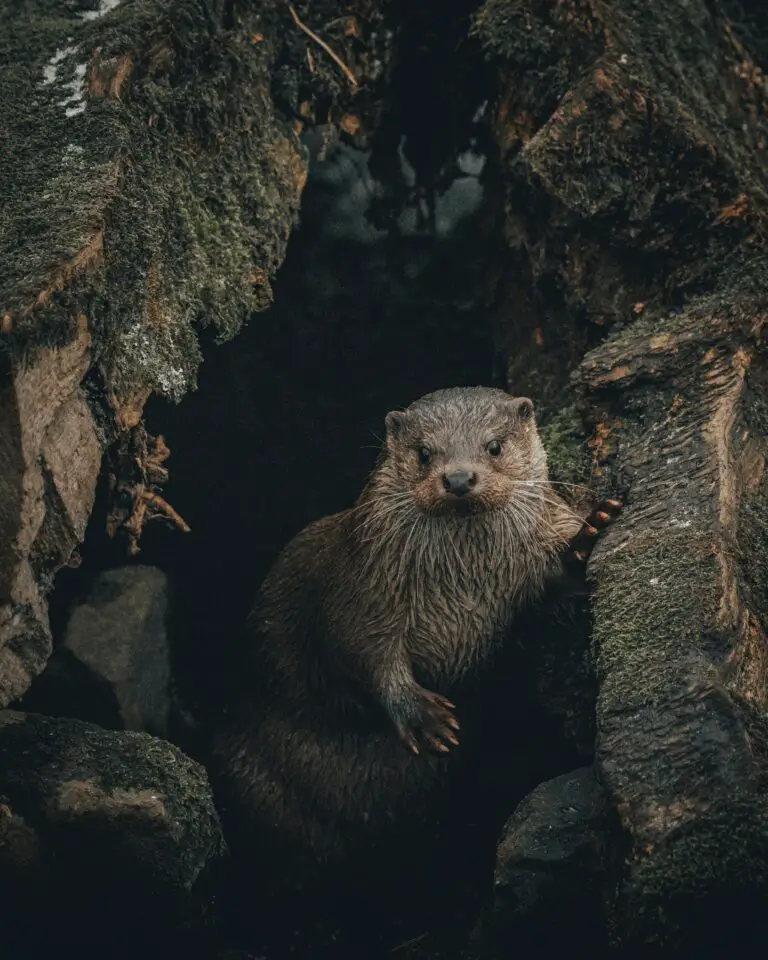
{"x":432,"y":723}
{"x":602,"y":516}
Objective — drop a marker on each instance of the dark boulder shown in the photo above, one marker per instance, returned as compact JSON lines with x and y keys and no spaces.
{"x":111,"y":837}
{"x":551,"y":867}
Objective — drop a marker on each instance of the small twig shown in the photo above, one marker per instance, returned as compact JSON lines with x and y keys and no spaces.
{"x":334,"y":56}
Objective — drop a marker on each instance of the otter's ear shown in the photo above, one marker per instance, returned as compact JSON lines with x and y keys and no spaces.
{"x":394,"y":422}
{"x":523,"y":408}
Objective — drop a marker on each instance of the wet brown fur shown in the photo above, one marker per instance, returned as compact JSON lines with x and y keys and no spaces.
{"x":367,"y":612}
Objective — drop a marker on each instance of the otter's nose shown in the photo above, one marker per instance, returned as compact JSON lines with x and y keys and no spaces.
{"x":460,"y":482}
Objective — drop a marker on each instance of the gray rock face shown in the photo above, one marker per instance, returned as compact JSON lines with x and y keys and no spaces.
{"x":112,"y":835}
{"x":120,"y":634}
{"x":551,"y":868}
{"x":112,"y":666}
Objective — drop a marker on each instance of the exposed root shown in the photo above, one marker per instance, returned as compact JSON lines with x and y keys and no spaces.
{"x":137,"y":473}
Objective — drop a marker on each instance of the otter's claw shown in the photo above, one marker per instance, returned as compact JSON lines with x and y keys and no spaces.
{"x":434,"y":724}
{"x":602,"y":516}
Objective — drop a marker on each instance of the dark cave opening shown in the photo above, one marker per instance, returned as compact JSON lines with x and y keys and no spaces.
{"x":388,"y":292}
{"x":287,"y":419}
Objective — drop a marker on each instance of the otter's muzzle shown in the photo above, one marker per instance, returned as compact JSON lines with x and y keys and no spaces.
{"x":459,"y":482}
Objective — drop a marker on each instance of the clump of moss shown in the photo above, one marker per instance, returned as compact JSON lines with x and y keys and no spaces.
{"x":531,"y":36}
{"x":713,"y":864}
{"x":645,"y":625}
{"x":126,"y":821}
{"x":164,"y":207}
{"x":564,"y":440}
{"x":43,"y":753}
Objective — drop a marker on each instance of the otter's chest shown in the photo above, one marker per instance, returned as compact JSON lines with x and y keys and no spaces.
{"x":454,"y":624}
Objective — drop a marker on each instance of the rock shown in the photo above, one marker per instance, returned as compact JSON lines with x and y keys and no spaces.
{"x":113,"y":664}
{"x":45,"y":497}
{"x":112,"y":837}
{"x":550,"y":870}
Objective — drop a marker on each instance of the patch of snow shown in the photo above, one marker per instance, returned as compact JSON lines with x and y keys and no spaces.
{"x":105,"y":7}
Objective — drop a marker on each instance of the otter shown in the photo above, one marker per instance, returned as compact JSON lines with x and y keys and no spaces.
{"x":369,"y":621}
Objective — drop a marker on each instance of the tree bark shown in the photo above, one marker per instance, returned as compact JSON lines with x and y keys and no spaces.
{"x":633,"y":140}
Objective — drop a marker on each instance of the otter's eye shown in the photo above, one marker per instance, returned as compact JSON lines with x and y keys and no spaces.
{"x":425,"y":455}
{"x":494,"y":448}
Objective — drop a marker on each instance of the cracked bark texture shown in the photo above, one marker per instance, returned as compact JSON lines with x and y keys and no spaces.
{"x":632,"y":136}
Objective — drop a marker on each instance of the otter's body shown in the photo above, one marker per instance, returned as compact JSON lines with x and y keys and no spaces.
{"x":372,"y":617}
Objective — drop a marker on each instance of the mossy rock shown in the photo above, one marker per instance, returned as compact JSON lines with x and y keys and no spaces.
{"x":113,"y":834}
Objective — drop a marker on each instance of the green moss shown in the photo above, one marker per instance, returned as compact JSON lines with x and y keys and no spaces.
{"x":564,"y":440}
{"x":52,"y":181}
{"x":44,"y":753}
{"x":192,"y":177}
{"x":648,"y":609}
{"x":531,"y":37}
{"x":713,"y":863}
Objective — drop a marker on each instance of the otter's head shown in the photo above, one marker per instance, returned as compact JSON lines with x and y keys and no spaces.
{"x":466,"y":450}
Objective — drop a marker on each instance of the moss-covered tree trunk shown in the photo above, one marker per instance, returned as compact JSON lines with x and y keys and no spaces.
{"x":633,"y":136}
